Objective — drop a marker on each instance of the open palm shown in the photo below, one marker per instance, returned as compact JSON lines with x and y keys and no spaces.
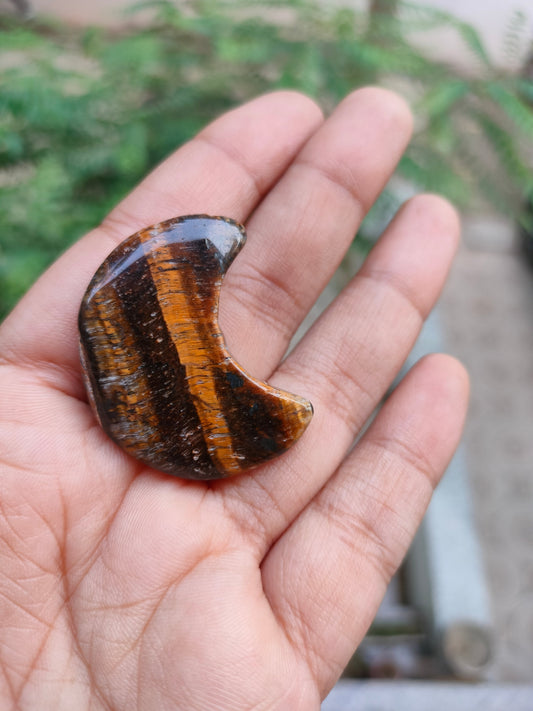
{"x":124,"y":588}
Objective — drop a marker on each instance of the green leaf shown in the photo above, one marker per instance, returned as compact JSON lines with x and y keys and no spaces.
{"x":524,"y":88}
{"x":443,"y":97}
{"x":508,"y":153}
{"x":516,"y":37}
{"x":429,"y":171}
{"x":473,"y":40}
{"x":517,"y":110}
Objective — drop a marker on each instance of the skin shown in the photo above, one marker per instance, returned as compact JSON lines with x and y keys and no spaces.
{"x":123,"y":588}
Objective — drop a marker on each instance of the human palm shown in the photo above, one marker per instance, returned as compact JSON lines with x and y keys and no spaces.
{"x":123,"y":588}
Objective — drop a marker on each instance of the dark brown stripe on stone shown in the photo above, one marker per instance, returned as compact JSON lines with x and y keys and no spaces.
{"x":168,"y":388}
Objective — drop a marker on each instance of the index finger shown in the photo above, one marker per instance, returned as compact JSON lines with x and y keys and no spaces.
{"x":225,"y":170}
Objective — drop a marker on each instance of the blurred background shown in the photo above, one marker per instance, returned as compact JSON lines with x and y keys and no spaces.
{"x":92,"y":95}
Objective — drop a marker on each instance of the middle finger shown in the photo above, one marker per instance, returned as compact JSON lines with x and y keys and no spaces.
{"x":302,"y":229}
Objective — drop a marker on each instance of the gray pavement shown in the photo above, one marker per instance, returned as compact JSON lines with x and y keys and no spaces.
{"x":487,"y":313}
{"x":427,"y":696}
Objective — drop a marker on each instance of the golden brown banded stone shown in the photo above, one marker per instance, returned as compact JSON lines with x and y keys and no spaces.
{"x":158,"y":374}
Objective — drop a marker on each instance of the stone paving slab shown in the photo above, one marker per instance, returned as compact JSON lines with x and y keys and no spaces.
{"x":487,"y":312}
{"x":427,"y":696}
{"x":446,"y":578}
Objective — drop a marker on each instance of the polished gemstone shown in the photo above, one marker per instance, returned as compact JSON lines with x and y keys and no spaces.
{"x":158,"y":373}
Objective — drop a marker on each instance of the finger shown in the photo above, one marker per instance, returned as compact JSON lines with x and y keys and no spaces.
{"x":326,"y":576}
{"x":225,"y":170}
{"x":301,"y":231}
{"x":347,"y":361}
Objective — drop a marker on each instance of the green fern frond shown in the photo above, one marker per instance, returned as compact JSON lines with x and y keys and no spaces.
{"x":492,"y":185}
{"x":430,"y":171}
{"x":507,"y":152}
{"x":517,"y":110}
{"x":443,"y":97}
{"x":524,"y":88}
{"x":419,"y":18}
{"x":515,"y":37}
{"x":472,"y":40}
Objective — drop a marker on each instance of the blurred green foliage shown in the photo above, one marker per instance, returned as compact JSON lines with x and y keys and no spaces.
{"x":84,"y":114}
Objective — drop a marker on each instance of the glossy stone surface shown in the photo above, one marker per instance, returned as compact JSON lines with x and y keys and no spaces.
{"x":158,"y":374}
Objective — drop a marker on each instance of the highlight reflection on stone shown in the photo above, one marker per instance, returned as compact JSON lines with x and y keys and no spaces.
{"x":158,"y":374}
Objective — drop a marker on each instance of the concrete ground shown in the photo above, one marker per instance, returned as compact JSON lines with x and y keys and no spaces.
{"x":421,"y":696}
{"x":487,"y":313}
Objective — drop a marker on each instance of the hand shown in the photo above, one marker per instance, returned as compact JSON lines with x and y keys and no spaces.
{"x":124,"y":588}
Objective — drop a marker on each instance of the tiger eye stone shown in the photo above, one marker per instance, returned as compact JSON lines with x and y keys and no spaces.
{"x":158,"y":373}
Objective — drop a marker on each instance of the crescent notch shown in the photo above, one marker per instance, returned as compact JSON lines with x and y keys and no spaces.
{"x":158,"y":373}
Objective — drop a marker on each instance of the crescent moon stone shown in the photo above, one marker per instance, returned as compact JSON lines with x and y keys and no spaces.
{"x":157,"y":371}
